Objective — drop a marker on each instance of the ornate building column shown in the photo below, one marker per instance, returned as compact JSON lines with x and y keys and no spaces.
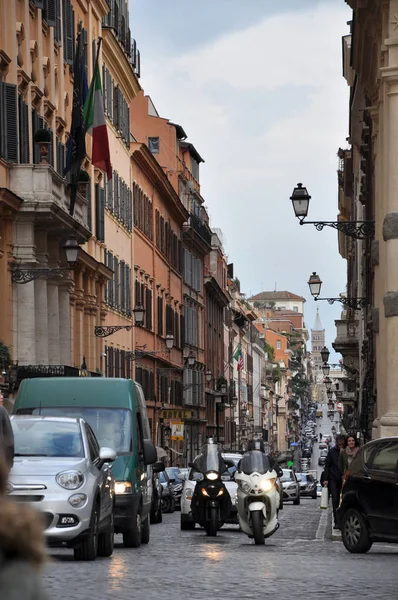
{"x":41,"y":302}
{"x":64,"y":322}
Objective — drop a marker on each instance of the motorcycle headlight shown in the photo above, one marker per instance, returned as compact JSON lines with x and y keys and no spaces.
{"x":70,"y":480}
{"x":212,"y":475}
{"x":267,"y":484}
{"x":204,"y":492}
{"x":220,"y":492}
{"x":122,"y":487}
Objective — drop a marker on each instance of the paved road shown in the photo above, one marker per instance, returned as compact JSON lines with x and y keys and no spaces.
{"x":181,"y":565}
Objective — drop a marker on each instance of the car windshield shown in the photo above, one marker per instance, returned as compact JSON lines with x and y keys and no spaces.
{"x":162,"y":477}
{"x":287,"y":475}
{"x":47,"y":438}
{"x":112,"y":426}
{"x":173,"y":473}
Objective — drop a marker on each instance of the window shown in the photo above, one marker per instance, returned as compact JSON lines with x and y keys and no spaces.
{"x":153,"y":145}
{"x":192,"y":271}
{"x":278,"y":345}
{"x":386,"y":457}
{"x":92,"y":444}
{"x":295,"y":308}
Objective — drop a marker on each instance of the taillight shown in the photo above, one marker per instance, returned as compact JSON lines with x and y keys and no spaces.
{"x":345,"y":478}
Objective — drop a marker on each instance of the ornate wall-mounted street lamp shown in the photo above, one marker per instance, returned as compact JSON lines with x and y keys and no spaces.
{"x":329,"y":394}
{"x":325,"y":354}
{"x":209,"y":376}
{"x":191,"y":359}
{"x":328,"y":384}
{"x":169,"y":339}
{"x":315,"y":284}
{"x":359,"y":230}
{"x":72,"y":250}
{"x":326,"y":369}
{"x":106,"y":330}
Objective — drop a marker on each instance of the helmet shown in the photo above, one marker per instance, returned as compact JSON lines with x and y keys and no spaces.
{"x":256,"y":445}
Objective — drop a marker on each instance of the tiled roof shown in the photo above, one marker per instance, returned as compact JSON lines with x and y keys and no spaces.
{"x":275,"y":296}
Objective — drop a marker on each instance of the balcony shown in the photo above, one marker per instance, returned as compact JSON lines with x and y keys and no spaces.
{"x":46,"y":198}
{"x":198,"y":233}
{"x":347,"y":338}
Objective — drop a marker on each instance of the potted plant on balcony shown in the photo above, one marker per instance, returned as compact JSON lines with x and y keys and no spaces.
{"x":42,"y":138}
{"x":82,"y":182}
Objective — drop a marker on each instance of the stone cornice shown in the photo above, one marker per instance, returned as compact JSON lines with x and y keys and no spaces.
{"x":114,"y":58}
{"x":150,"y":166}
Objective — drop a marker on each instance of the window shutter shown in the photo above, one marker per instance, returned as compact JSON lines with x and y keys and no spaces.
{"x":127,"y":125}
{"x":57,"y":32}
{"x":116,"y":195}
{"x":110,"y":194}
{"x":102,"y":214}
{"x":116,"y":287}
{"x":148,"y":309}
{"x":111,"y":281}
{"x":137,"y":292}
{"x":89,"y":207}
{"x":120,"y":110}
{"x":23,"y":131}
{"x":97,"y":211}
{"x":50,"y":12}
{"x":182,"y":330}
{"x":128,"y":290}
{"x":68,"y":26}
{"x":8,"y":122}
{"x":176,"y":330}
{"x":85,"y":42}
{"x":122,"y":287}
{"x":116,"y":107}
{"x":160,"y":316}
{"x":106,"y":286}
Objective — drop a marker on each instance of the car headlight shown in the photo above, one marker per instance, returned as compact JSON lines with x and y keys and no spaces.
{"x":291,"y":486}
{"x":212,"y":475}
{"x":77,"y":500}
{"x":188,"y":494}
{"x":267,"y":484}
{"x":123,"y":487}
{"x":70,"y":480}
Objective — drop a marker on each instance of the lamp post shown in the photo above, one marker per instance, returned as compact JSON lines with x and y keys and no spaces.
{"x":191,"y":359}
{"x":325,"y":354}
{"x":359,"y":230}
{"x":328,"y":384}
{"x":72,"y":250}
{"x":107,"y":330}
{"x":315,"y":285}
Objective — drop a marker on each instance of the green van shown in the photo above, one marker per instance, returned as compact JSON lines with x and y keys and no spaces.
{"x":116,"y":411}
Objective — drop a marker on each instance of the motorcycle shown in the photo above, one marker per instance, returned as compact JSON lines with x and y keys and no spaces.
{"x":211,"y":503}
{"x":259,"y":496}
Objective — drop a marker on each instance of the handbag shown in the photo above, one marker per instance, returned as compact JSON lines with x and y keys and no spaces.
{"x":325,"y":498}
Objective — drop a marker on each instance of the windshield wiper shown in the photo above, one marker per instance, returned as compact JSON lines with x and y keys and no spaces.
{"x":30,"y":454}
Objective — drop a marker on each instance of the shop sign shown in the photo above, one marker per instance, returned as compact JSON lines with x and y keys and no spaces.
{"x":175,"y":414}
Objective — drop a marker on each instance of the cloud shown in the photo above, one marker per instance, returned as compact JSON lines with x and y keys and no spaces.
{"x":266,"y":107}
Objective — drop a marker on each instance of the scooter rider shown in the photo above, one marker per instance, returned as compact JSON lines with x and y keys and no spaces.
{"x":259,"y":446}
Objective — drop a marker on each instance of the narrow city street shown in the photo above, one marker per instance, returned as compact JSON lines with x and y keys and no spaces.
{"x":298,"y":561}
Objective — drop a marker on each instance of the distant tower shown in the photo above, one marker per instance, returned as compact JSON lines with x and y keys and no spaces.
{"x":317,"y":343}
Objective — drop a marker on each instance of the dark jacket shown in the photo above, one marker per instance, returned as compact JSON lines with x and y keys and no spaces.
{"x":6,"y":438}
{"x":332,"y":469}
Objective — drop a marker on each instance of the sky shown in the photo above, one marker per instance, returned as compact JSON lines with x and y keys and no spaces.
{"x":258,"y":88}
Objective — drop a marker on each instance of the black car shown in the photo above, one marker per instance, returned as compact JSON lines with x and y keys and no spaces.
{"x":321,"y":461}
{"x":368,"y":509}
{"x":307,"y":485}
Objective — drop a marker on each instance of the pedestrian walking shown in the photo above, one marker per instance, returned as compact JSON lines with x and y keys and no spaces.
{"x":22,"y":548}
{"x":347,"y":455}
{"x":6,"y":438}
{"x":333,"y":478}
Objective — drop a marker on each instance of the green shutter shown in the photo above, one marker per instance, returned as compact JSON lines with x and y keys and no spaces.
{"x":89,"y":207}
{"x":8,"y":122}
{"x":23,"y":131}
{"x":68,"y":26}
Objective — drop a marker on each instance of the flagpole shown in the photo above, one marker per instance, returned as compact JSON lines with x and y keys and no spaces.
{"x":91,"y":91}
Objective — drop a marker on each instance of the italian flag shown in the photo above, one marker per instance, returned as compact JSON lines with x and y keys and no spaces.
{"x":95,"y":124}
{"x":239,"y":357}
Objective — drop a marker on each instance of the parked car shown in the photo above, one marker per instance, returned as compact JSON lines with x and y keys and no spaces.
{"x":156,"y":515}
{"x":368,"y":507}
{"x":307,"y":485}
{"x":291,"y":486}
{"x":306,"y":452}
{"x":321,"y":461}
{"x":176,"y":483}
{"x":324,"y":452}
{"x":322,"y":446}
{"x":167,"y":500}
{"x":318,"y":490}
{"x":61,"y":471}
{"x":186,"y":519}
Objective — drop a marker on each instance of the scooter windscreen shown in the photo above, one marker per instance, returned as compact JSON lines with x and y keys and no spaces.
{"x":254,"y":462}
{"x":210,"y":459}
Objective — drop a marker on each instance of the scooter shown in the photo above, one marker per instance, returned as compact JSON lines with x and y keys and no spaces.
{"x":259,"y":496}
{"x":211,"y":503}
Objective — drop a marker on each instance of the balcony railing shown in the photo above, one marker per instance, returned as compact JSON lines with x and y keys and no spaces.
{"x":200,"y":227}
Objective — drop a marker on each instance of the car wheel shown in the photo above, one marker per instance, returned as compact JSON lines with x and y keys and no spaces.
{"x":88,"y":549}
{"x":186,"y":525}
{"x":314,"y":496}
{"x":132,"y":535}
{"x":355,"y":533}
{"x":296,"y":502}
{"x":145,"y":531}
{"x":106,"y":539}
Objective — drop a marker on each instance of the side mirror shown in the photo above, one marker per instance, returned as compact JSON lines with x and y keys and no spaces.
{"x":229,"y":462}
{"x":158,"y":466}
{"x":150,"y":454}
{"x":279,"y":472}
{"x":106,"y":455}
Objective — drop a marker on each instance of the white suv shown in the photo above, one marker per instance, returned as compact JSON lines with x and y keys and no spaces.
{"x":187,"y":521}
